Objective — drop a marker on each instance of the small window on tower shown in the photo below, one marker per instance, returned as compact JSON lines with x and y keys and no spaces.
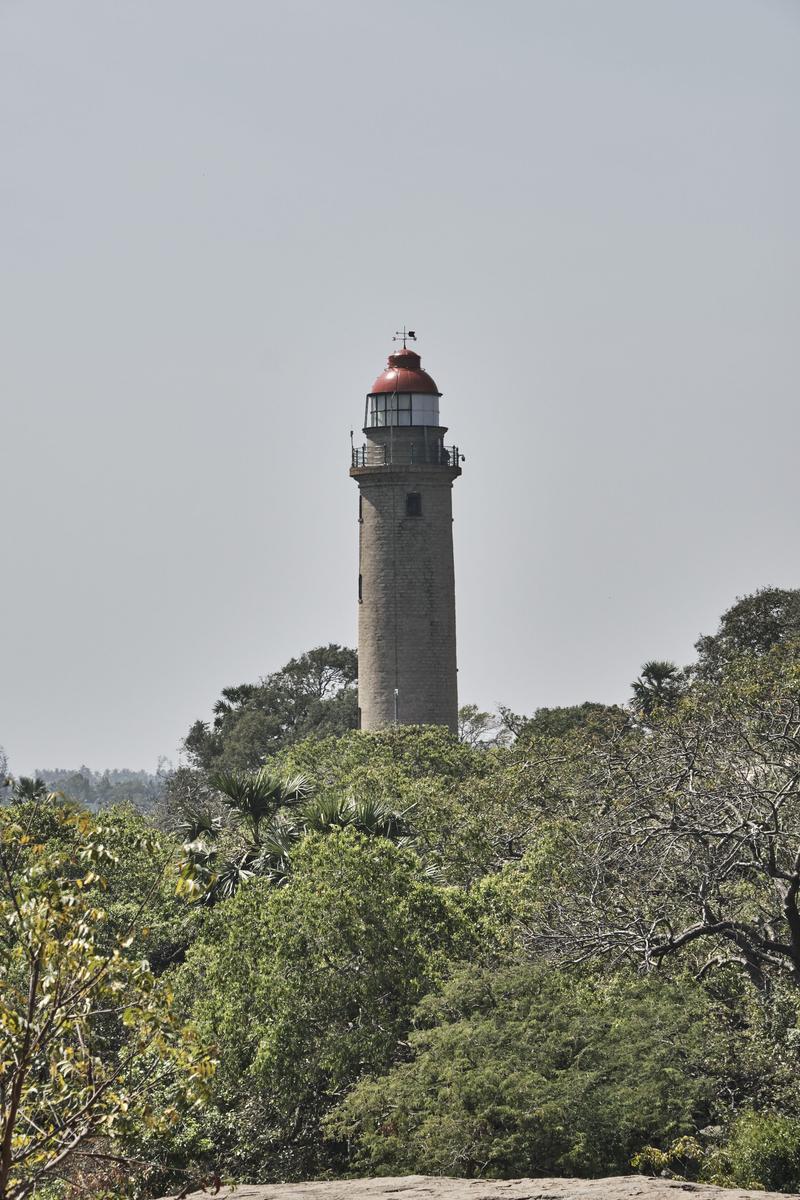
{"x":413,"y":504}
{"x":360,"y":589}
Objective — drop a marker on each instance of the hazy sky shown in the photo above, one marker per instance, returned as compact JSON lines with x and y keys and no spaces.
{"x":213,"y":216}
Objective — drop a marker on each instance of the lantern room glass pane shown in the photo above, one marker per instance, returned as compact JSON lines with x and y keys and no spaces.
{"x":395,"y":408}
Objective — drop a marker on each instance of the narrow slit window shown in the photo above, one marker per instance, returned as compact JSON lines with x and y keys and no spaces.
{"x":360,"y":589}
{"x":413,"y":504}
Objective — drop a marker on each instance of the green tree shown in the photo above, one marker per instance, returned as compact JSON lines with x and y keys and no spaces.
{"x":660,"y":686}
{"x":369,"y":816}
{"x":385,"y":760}
{"x":559,"y":722}
{"x":759,"y":1150}
{"x":528,"y":1071}
{"x":167,"y":925}
{"x":477,"y":728}
{"x":312,"y":696}
{"x":685,"y":840}
{"x":87,"y":1029}
{"x":256,"y":797}
{"x":752,"y":626}
{"x":256,"y":839}
{"x":268,"y":817}
{"x":464,"y":807}
{"x":130,"y":881}
{"x":307,"y":987}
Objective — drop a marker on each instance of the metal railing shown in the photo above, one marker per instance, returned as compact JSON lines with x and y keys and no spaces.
{"x":408,"y":454}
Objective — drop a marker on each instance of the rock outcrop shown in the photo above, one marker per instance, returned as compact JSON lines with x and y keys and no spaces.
{"x":427,"y":1187}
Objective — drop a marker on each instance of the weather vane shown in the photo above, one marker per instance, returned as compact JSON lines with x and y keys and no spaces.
{"x":403,"y":335}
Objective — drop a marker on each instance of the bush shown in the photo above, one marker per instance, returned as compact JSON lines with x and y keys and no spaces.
{"x":307,"y":987}
{"x":762,"y":1150}
{"x":530,"y":1071}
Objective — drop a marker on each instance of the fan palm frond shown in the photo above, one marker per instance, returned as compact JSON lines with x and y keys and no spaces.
{"x":378,"y":818}
{"x":230,"y":878}
{"x":328,"y":812}
{"x":368,"y":815}
{"x":26,"y":788}
{"x":198,"y":823}
{"x":660,"y":685}
{"x":256,"y":796}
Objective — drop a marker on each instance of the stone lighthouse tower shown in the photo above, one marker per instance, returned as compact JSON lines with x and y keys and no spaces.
{"x":406,"y":587}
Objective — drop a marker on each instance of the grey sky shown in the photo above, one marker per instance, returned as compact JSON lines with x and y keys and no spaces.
{"x":213,"y":217}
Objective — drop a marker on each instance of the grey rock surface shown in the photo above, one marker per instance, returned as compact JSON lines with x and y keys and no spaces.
{"x":427,"y":1187}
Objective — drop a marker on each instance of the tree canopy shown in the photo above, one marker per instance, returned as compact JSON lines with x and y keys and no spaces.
{"x":563,"y":943}
{"x":751,"y":626}
{"x":527,"y":1071}
{"x":313,"y":695}
{"x":87,"y":1028}
{"x":688,"y":838}
{"x":307,"y":987}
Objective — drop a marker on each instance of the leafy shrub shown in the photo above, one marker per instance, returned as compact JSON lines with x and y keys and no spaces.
{"x":533,"y":1072}
{"x":305,"y":988}
{"x":762,"y":1150}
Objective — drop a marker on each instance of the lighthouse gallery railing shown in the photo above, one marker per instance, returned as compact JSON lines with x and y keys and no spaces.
{"x":405,"y":455}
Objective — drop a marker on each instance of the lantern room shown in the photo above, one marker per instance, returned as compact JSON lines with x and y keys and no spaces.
{"x":403,"y":394}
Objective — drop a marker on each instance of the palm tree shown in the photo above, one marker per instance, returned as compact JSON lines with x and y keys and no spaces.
{"x":199,"y":825}
{"x":271,"y":815}
{"x":256,"y":797}
{"x":660,"y":686}
{"x":274,"y":861}
{"x":26,"y":788}
{"x":257,"y":802}
{"x":370,"y":816}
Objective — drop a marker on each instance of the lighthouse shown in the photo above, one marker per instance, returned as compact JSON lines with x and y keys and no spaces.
{"x":406,"y":583}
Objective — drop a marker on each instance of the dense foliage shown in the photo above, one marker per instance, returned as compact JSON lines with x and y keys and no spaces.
{"x":529,"y":1071}
{"x":308,"y":986}
{"x":564,"y":943}
{"x":311,"y":696}
{"x":87,"y":1028}
{"x":751,"y":627}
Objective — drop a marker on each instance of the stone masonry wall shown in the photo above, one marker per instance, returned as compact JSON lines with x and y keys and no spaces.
{"x":407,"y":624}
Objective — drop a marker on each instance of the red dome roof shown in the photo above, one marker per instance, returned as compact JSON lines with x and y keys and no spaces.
{"x":404,"y":374}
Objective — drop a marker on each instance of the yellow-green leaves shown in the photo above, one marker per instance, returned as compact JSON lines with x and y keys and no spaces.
{"x":86,"y":1030}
